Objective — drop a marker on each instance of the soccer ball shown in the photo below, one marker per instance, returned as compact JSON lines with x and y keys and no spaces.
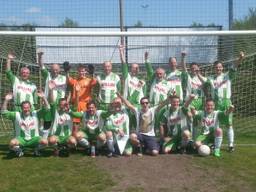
{"x":204,"y":150}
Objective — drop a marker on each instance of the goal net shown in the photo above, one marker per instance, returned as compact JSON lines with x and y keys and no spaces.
{"x":97,"y":45}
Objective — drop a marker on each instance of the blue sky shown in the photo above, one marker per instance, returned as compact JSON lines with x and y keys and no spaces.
{"x":106,"y":12}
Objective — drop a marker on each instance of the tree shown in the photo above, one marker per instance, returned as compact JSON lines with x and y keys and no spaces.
{"x":139,"y":24}
{"x":69,"y":23}
{"x":247,"y":23}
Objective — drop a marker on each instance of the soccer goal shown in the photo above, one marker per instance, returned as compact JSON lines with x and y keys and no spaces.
{"x":95,"y":46}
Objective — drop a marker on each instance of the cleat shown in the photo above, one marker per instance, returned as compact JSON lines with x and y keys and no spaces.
{"x":64,"y":152}
{"x":231,"y":149}
{"x":93,"y":155}
{"x":37,"y":153}
{"x":56,"y":152}
{"x":216,"y":152}
{"x":109,"y":155}
{"x":19,"y":153}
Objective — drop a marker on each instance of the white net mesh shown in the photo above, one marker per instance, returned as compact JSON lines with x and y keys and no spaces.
{"x":94,"y":50}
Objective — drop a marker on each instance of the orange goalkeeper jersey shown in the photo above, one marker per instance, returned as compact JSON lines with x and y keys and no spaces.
{"x":85,"y":94}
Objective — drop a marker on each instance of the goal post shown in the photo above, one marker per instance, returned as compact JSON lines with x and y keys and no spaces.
{"x":95,"y":46}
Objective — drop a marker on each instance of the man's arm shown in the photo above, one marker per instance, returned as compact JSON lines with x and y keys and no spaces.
{"x":126,"y":102}
{"x":41,"y":64}
{"x":149,"y":68}
{"x":9,"y":73}
{"x":188,"y":102}
{"x":124,"y":64}
{"x":7,"y":114}
{"x":240,"y":59}
{"x":183,"y":61}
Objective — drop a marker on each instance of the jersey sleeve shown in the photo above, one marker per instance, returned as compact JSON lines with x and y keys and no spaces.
{"x":105,"y":114}
{"x":221,"y":114}
{"x":232,"y":73}
{"x":9,"y":114}
{"x":125,"y":70}
{"x":10,"y":76}
{"x":45,"y":73}
{"x":150,"y":71}
{"x":71,"y":81}
{"x":41,"y":113}
{"x":118,"y":85}
{"x":76,"y":114}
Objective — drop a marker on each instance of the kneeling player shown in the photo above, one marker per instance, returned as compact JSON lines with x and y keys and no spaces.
{"x":26,"y":125}
{"x":208,"y":120}
{"x":91,"y":132}
{"x":61,"y":128}
{"x":174,"y":129}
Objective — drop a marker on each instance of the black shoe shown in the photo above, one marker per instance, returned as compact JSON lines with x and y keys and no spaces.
{"x":111,"y":154}
{"x":64,"y":152}
{"x":231,"y":149}
{"x":19,"y":153}
{"x":37,"y":153}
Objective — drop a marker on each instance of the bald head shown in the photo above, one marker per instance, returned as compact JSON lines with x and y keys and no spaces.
{"x":107,"y":66}
{"x":55,"y":70}
{"x":134,"y":69}
{"x":24,"y":73}
{"x":172,"y":63}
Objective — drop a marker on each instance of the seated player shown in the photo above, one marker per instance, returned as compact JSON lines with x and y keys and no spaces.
{"x":208,"y":121}
{"x":117,"y":128}
{"x":26,"y":124}
{"x":145,"y":131}
{"x":60,"y":133}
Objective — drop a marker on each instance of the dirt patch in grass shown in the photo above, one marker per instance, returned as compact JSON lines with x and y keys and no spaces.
{"x":167,"y":173}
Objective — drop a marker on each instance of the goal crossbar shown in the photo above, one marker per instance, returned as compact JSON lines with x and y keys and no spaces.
{"x":127,"y":33}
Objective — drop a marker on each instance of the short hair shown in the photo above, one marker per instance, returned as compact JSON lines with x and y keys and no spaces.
{"x":62,"y":99}
{"x":217,"y":62}
{"x":193,"y":63}
{"x":91,"y":102}
{"x":143,"y":99}
{"x":25,"y":102}
{"x":175,"y":97}
{"x":209,"y":100}
{"x":81,"y":66}
{"x":170,"y":58}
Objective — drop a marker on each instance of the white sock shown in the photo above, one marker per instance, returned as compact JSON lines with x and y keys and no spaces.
{"x":217,"y":142}
{"x":45,"y":134}
{"x":230,"y":136}
{"x":83,"y":142}
{"x":110,"y":143}
{"x":16,"y":148}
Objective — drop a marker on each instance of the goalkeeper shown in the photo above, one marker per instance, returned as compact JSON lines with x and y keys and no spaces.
{"x":86,"y":82}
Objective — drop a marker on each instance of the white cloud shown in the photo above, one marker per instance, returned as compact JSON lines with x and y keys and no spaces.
{"x":33,"y":10}
{"x":46,"y":21}
{"x":12,"y":20}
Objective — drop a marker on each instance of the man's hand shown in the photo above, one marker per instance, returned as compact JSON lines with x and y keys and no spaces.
{"x":11,"y":56}
{"x":121,"y":132}
{"x":146,"y":56}
{"x":183,"y":54}
{"x":51,"y":85}
{"x":66,"y":66}
{"x":39,"y":54}
{"x":40,"y":93}
{"x":241,"y":55}
{"x":90,"y":69}
{"x":9,"y":96}
{"x":77,"y":88}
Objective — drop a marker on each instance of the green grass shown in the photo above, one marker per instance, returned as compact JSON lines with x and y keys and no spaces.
{"x":239,"y":168}
{"x":48,"y":173}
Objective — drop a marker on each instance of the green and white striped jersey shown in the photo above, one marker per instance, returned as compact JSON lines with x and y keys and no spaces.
{"x":207,"y":121}
{"x":134,"y":89}
{"x":26,"y":127}
{"x":62,"y":124}
{"x":175,"y":78}
{"x":60,"y":82}
{"x":93,"y":123}
{"x":117,"y":121}
{"x":159,"y":91}
{"x":176,"y":120}
{"x":194,"y":86}
{"x":22,"y":90}
{"x":221,"y":85}
{"x":109,"y":85}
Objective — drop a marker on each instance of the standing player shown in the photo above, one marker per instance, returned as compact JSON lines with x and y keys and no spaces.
{"x":176,"y":77}
{"x":174,"y":129}
{"x":26,"y":124}
{"x":193,"y":83}
{"x":86,"y":84}
{"x":23,"y":88}
{"x":109,"y":83}
{"x":59,"y":90}
{"x":209,"y":125}
{"x":134,"y":88}
{"x":221,"y":92}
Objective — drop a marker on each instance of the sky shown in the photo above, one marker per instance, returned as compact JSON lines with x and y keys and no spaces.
{"x":106,"y":12}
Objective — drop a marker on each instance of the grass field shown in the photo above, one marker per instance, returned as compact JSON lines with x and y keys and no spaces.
{"x":232,"y":172}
